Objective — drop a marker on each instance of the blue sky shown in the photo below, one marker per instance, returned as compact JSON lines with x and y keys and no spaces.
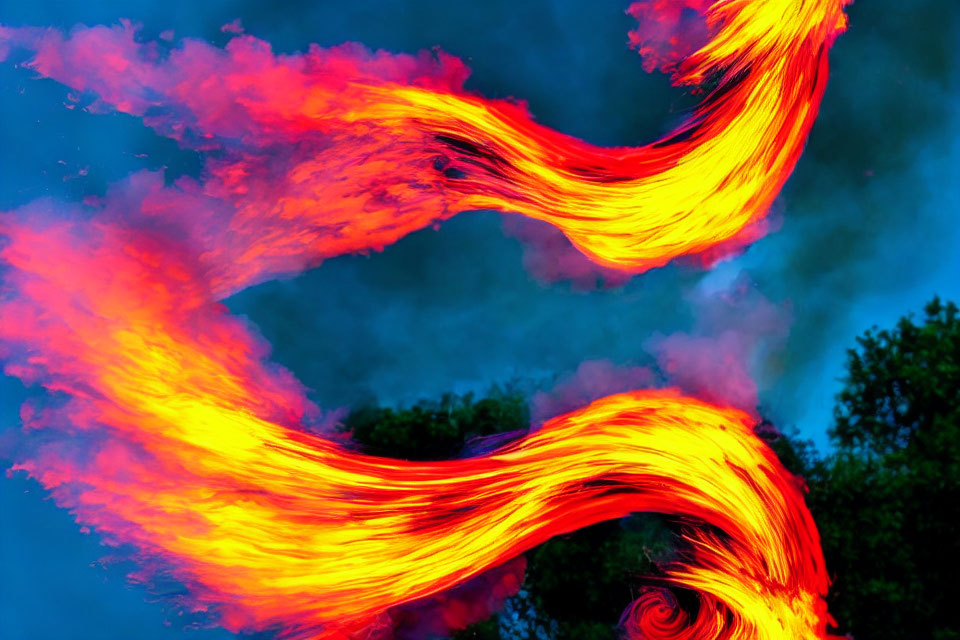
{"x":868,"y":233}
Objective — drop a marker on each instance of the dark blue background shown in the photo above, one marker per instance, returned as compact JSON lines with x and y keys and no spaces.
{"x":869,"y":232}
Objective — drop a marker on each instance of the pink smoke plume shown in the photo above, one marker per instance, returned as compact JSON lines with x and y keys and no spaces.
{"x":734,"y":343}
{"x":593,"y":379}
{"x":735,"y":336}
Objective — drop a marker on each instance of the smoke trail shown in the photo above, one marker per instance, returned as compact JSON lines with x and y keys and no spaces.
{"x":592,"y":380}
{"x":736,"y":328}
{"x":178,"y":437}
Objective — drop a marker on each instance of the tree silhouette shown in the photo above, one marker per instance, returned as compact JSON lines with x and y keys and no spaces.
{"x":886,"y":500}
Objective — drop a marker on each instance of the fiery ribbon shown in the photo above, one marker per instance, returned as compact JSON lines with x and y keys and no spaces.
{"x":176,"y":436}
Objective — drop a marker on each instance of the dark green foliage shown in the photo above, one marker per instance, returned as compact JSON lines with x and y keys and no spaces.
{"x":486,"y":630}
{"x":902,"y":387}
{"x":800,"y":457}
{"x":436,"y":430}
{"x":584,"y":580}
{"x":888,"y":500}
